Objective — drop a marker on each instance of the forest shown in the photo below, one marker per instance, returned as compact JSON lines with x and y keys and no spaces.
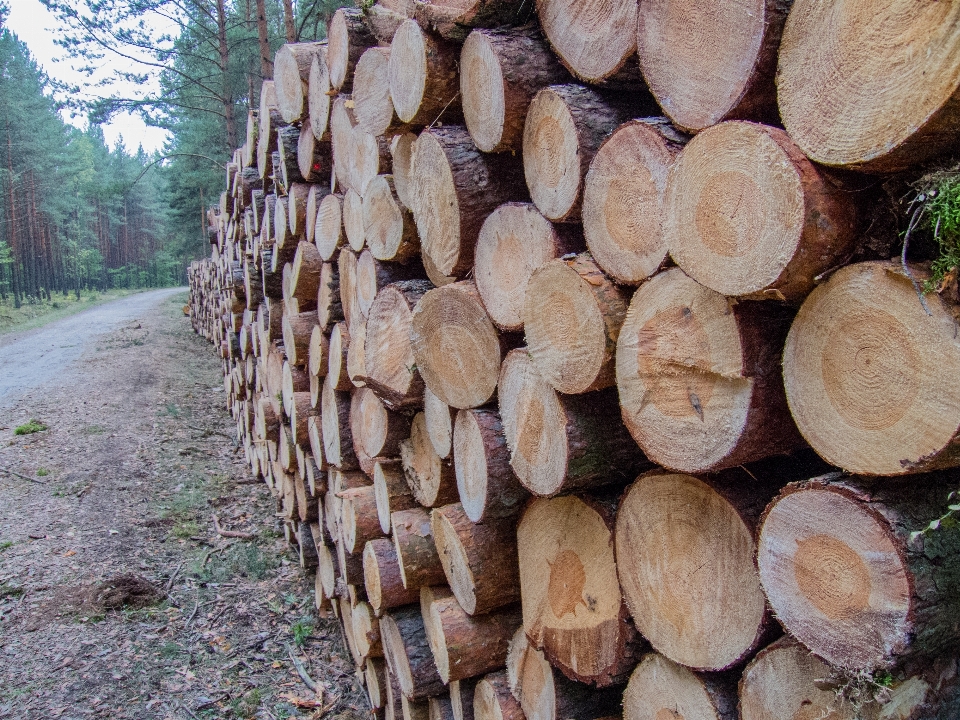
{"x":76,"y":214}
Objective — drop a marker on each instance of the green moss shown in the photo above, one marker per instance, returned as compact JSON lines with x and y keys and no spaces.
{"x":937,"y":210}
{"x":34,"y":426}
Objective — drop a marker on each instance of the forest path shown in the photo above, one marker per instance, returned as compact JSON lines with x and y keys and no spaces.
{"x":139,"y":456}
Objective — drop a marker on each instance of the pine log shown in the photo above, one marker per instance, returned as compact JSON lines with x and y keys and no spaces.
{"x":453,"y":20}
{"x":353,"y":219}
{"x":293,"y":380}
{"x":408,"y":654}
{"x":349,"y":36}
{"x":288,"y":164}
{"x":346,"y":619}
{"x":329,"y":234}
{"x":318,"y":98}
{"x":375,"y":680}
{"x":314,"y":197}
{"x":337,"y":437}
{"x":305,"y":278}
{"x":486,"y":483}
{"x":501,"y":71}
{"x":516,"y":240}
{"x":356,"y":362}
{"x":432,"y":480}
{"x":699,"y":376}
{"x":267,"y":420}
{"x":392,"y":491}
{"x":559,"y":443}
{"x":416,"y":550}
{"x":464,"y":646}
{"x":455,"y":345}
{"x":385,"y":17}
{"x":300,"y":412}
{"x":339,"y":345}
{"x":572,"y":607}
{"x":306,"y":546}
{"x":401,"y":155}
{"x":381,"y":577}
{"x":868,"y":369}
{"x":394,"y":698}
{"x":307,"y":507}
{"x":371,"y":93}
{"x":439,"y":418}
{"x":747,"y":214}
{"x":876,"y":89}
{"x":327,"y":570}
{"x":440,"y":708}
{"x":377,"y":431}
{"x":372,"y":275}
{"x":315,"y":433}
{"x":314,"y":157}
{"x":329,"y":305}
{"x":296,"y":336}
{"x":269,"y":119}
{"x":456,"y":187}
{"x":350,"y":566}
{"x":461,"y":697}
{"x":291,"y":74}
{"x":565,"y":126}
{"x":388,"y":227}
{"x":479,"y":559}
{"x":342,"y":122}
{"x":492,"y":699}
{"x":623,"y":196}
{"x":659,"y":687}
{"x":359,"y":520}
{"x":369,"y":157}
{"x":319,"y":352}
{"x":572,"y":317}
{"x":424,"y":77}
{"x":391,"y":368}
{"x":347,"y":270}
{"x":366,"y":631}
{"x":689,"y":576}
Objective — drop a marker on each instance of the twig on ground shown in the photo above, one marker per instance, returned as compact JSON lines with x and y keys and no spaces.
{"x":230,"y":533}
{"x":22,"y":477}
{"x":173,"y":576}
{"x":302,"y":671}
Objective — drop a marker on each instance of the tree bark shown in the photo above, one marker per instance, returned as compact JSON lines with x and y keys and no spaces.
{"x":408,"y":654}
{"x":349,"y":37}
{"x":432,"y":480}
{"x":416,"y":551}
{"x":487,"y":485}
{"x":381,"y":574}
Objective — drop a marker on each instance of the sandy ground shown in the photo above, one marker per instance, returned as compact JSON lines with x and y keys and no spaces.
{"x":138,"y":457}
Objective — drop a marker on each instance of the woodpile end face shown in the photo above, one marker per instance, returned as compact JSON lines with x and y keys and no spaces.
{"x":578,"y":381}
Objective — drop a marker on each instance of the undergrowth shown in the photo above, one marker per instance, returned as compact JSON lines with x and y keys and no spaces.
{"x":936,"y":209}
{"x":34,"y":426}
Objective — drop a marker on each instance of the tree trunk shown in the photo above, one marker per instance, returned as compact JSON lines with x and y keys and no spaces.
{"x":432,"y":480}
{"x":349,"y":36}
{"x":658,"y":687}
{"x":226,"y":96}
{"x":416,"y":551}
{"x":408,"y":654}
{"x":388,"y":227}
{"x":289,"y":22}
{"x":266,"y":57}
{"x":381,"y":574}
{"x":424,"y":77}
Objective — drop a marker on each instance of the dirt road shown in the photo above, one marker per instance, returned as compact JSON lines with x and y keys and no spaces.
{"x":137,"y":459}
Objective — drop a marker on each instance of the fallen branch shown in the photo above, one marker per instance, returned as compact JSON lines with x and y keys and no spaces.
{"x":173,"y":576}
{"x":22,"y":477}
{"x":230,"y":533}
{"x":302,"y":671}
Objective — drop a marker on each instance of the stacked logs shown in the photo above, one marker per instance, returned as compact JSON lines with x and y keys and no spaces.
{"x":533,"y":326}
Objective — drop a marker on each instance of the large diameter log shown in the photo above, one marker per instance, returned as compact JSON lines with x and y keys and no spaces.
{"x":337,"y":437}
{"x":392,"y":369}
{"x":349,"y":37}
{"x":375,"y":680}
{"x":371,"y":92}
{"x":545,"y":694}
{"x":291,"y":73}
{"x":515,"y":241}
{"x":659,"y":688}
{"x":388,"y":227}
{"x":685,"y":556}
{"x":747,"y":214}
{"x":559,"y":443}
{"x":453,"y":20}
{"x":500,"y":72}
{"x":464,"y":646}
{"x":329,"y":234}
{"x":479,"y":559}
{"x":431,"y":479}
{"x":849,"y":574}
{"x":623,"y":195}
{"x":408,"y":653}
{"x":366,"y":632}
{"x":456,"y":187}
{"x":424,"y":77}
{"x":572,"y":606}
{"x":416,"y":550}
{"x":381,"y":577}
{"x":296,"y":336}
{"x":868,"y":368}
{"x":492,"y":699}
{"x":486,"y":483}
{"x":565,"y":126}
{"x":572,"y":317}
{"x":875,"y":90}
{"x":455,"y":345}
{"x":708,"y":63}
{"x":699,"y":376}
{"x":318,"y":99}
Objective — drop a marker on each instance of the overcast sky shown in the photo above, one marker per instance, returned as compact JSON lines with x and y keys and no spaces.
{"x":35,"y":26}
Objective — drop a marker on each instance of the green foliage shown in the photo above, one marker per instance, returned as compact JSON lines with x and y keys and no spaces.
{"x":937,"y":209}
{"x":42,"y":472}
{"x":946,"y":521}
{"x":34,"y":426}
{"x":301,"y":630}
{"x":6,"y":545}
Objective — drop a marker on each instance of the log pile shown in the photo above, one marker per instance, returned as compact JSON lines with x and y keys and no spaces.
{"x":576,"y":381}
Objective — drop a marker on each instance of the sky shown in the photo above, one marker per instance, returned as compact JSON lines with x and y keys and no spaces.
{"x":36,"y":26}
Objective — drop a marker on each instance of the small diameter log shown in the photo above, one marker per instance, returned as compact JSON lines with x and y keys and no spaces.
{"x":288,"y":140}
{"x":699,"y":376}
{"x":372,"y":275}
{"x":353,"y":219}
{"x":314,"y":196}
{"x":388,"y":227}
{"x":500,"y":72}
{"x":453,"y":20}
{"x":455,"y":346}
{"x":377,"y":431}
{"x":565,"y":126}
{"x":305,"y":276}
{"x":346,"y":618}
{"x":689,"y":577}
{"x":296,"y":336}
{"x":375,"y":680}
{"x":381,"y":577}
{"x":356,"y":363}
{"x":329,"y":234}
{"x":572,"y":317}
{"x":342,"y":122}
{"x":559,"y":443}
{"x":572,"y":606}
{"x":351,"y":566}
{"x":868,"y":372}
{"x":709,"y":64}
{"x":392,"y":491}
{"x":318,"y":100}
{"x":366,"y":631}
{"x":329,"y":304}
{"x":432,"y":480}
{"x":307,"y":506}
{"x":369,"y":157}
{"x":348,"y":38}
{"x":747,"y":214}
{"x":314,"y":157}
{"x":315,"y":433}
{"x":545,"y":694}
{"x":852,"y":571}
{"x":479,"y":559}
{"x":659,"y":687}
{"x":306,"y":546}
{"x":440,"y":708}
{"x":337,"y":437}
{"x":318,"y":355}
{"x":456,"y":188}
{"x":327,"y":570}
{"x":401,"y":154}
{"x":408,"y":654}
{"x":464,"y":646}
{"x":371,"y":93}
{"x":339,"y":345}
{"x":293,"y":380}
{"x":300,"y":412}
{"x":291,"y":74}
{"x":424,"y":77}
{"x":439,"y":418}
{"x":492,"y":699}
{"x":391,"y":368}
{"x":850,"y":97}
{"x":359,"y":519}
{"x":461,"y":697}
{"x":347,"y":270}
{"x":623,"y":196}
{"x":486,"y":483}
{"x":416,"y":550}
{"x":516,"y":240}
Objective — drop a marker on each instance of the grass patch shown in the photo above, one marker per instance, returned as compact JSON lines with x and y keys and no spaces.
{"x":6,"y":545}
{"x":246,"y":705}
{"x":94,"y":430}
{"x":936,"y":209}
{"x":37,"y":313}
{"x":186,"y":529}
{"x":34,"y":426}
{"x":7,"y":590}
{"x":239,"y":560}
{"x":42,"y":472}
